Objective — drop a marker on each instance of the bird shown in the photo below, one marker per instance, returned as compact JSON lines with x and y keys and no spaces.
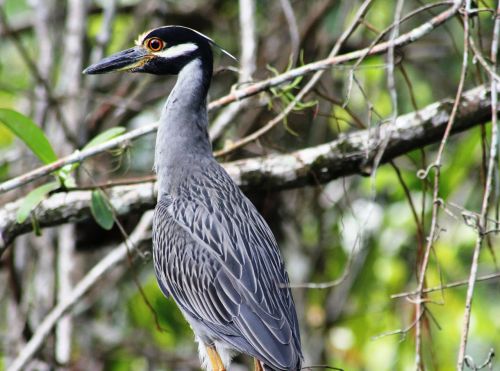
{"x":213,"y":253}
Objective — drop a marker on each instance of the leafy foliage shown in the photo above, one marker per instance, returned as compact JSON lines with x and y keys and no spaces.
{"x":101,"y":210}
{"x":26,"y":130}
{"x":359,"y":234}
{"x":33,"y":199}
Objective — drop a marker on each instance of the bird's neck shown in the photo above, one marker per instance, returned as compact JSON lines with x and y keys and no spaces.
{"x":182,"y":138}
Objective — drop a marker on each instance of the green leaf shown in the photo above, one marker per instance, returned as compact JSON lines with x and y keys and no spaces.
{"x":101,"y":210}
{"x":295,"y":83}
{"x":65,"y":177}
{"x":33,"y":199}
{"x":26,"y":130}
{"x":104,"y":137}
{"x":36,"y":226}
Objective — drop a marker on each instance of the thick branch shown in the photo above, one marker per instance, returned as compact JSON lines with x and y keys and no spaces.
{"x":349,"y":154}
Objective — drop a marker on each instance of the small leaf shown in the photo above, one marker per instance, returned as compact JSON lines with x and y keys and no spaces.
{"x":36,"y":226}
{"x":105,"y":136}
{"x":101,"y":210}
{"x":294,"y":83}
{"x":33,"y":199}
{"x":273,"y":70}
{"x":64,"y":175}
{"x":26,"y":130}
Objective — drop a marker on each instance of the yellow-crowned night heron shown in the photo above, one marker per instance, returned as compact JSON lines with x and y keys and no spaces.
{"x":213,"y":252}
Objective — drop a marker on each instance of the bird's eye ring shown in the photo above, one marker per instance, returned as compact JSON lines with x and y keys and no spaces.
{"x":155,"y":44}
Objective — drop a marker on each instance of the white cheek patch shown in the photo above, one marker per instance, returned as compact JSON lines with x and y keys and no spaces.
{"x":177,"y":51}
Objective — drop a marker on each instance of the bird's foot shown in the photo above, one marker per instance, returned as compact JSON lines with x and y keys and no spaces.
{"x":257,"y":365}
{"x":215,"y":360}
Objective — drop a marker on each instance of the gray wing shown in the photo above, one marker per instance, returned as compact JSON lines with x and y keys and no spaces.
{"x":234,"y":279}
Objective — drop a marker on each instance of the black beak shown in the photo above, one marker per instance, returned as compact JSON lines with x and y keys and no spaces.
{"x":127,"y":60}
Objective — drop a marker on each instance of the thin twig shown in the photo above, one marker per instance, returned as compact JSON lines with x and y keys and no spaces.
{"x":418,"y":223}
{"x":392,"y":43}
{"x":76,"y":157}
{"x":483,"y":221}
{"x":488,"y":362}
{"x":435,"y":207}
{"x":239,"y":94}
{"x":305,"y":90}
{"x":479,"y":56}
{"x":402,"y":332}
{"x":451,"y":285}
{"x":391,"y":85}
{"x":126,"y":238}
{"x":359,"y":55}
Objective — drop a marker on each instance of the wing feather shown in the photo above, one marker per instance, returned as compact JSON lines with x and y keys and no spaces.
{"x":237,"y":286}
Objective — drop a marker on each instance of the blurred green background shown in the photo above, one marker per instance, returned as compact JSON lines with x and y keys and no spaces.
{"x":358,"y":228}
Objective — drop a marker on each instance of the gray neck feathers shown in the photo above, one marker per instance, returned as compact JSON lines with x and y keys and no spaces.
{"x":182,"y":138}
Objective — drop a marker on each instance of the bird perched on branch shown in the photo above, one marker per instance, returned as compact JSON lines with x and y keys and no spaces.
{"x":213,"y":252}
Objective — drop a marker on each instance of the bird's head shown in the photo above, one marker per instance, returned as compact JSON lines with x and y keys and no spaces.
{"x":161,"y":51}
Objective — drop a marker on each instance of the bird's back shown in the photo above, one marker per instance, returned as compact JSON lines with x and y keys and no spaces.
{"x":216,"y":256}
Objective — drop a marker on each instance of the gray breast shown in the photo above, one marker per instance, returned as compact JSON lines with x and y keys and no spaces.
{"x":216,"y":256}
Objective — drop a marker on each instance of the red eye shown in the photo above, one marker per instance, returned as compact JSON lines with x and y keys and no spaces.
{"x":155,"y":44}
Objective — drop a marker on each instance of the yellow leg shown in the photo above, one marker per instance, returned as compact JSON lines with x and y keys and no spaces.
{"x":215,"y":360}
{"x":257,"y":365}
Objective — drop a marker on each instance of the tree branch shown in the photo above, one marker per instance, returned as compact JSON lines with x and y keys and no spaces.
{"x":405,"y":39}
{"x":352,"y":153}
{"x":303,"y":91}
{"x":91,"y":278}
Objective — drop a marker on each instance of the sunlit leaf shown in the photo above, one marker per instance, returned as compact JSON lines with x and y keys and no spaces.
{"x":26,"y":130}
{"x":33,"y":199}
{"x":101,"y":210}
{"x":105,"y":136}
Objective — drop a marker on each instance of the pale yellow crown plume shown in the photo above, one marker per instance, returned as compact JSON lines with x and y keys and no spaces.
{"x":141,"y":37}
